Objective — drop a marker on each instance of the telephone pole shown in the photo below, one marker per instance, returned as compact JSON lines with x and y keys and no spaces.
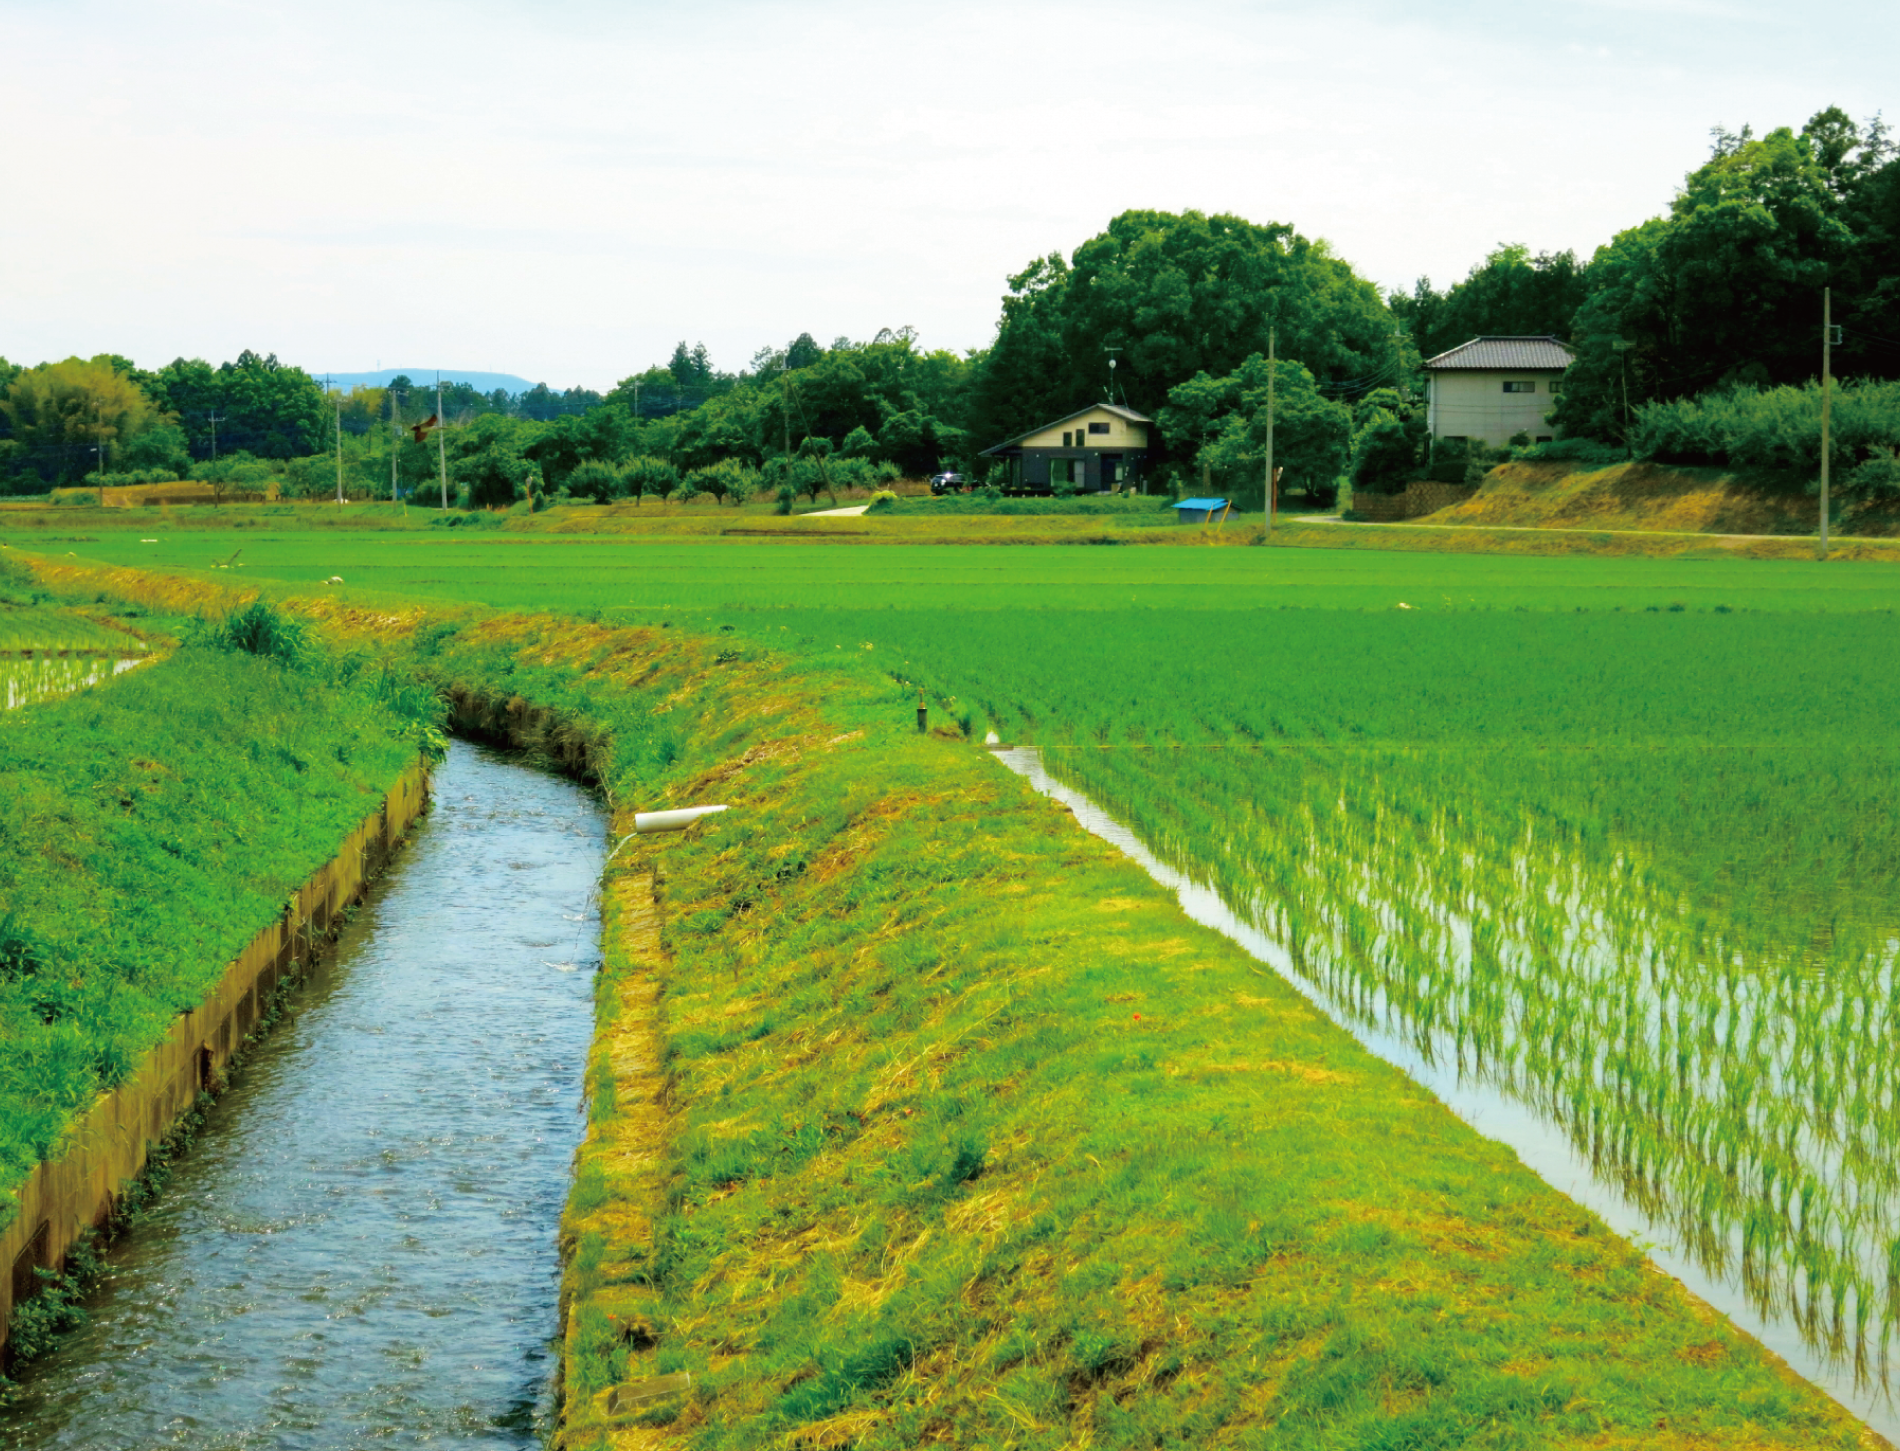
{"x":395,"y":438}
{"x":441,"y":446}
{"x":337,"y":399}
{"x":1827,"y":399}
{"x":1269,"y":489}
{"x":214,"y":435}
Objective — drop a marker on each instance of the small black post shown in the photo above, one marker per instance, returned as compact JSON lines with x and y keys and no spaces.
{"x":923,"y":714}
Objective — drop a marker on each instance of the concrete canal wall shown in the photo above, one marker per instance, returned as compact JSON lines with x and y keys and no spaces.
{"x":107,"y":1148}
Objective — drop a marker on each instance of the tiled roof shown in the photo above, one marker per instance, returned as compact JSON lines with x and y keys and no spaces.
{"x":1504,"y":355}
{"x":1126,"y":413}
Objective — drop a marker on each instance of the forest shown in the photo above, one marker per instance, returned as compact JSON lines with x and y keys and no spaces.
{"x":1696,"y":336}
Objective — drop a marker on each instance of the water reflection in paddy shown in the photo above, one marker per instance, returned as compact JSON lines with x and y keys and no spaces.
{"x":23,"y":681}
{"x":1682,"y":1059}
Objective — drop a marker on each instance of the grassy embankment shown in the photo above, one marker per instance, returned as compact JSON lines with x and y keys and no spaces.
{"x":927,"y":1117}
{"x":233,"y":534}
{"x":1648,"y":496}
{"x":149,"y":828}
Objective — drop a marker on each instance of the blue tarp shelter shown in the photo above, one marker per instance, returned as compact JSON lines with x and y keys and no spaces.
{"x":1198,"y":511}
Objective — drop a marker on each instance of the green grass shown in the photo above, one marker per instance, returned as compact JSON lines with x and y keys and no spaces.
{"x":633,"y":579}
{"x":148,"y":830}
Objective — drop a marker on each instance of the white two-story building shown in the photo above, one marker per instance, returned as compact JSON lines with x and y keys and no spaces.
{"x":1493,"y":388}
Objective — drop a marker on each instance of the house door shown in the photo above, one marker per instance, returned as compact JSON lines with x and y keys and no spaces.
{"x":1111,"y":471}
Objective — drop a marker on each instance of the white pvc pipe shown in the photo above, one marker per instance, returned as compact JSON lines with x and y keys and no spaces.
{"x":646,"y":822}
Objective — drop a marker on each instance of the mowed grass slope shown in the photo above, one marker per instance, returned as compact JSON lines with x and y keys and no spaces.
{"x":967,"y":1137}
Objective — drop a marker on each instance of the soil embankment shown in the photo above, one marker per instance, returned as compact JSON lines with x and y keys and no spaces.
{"x":918,"y":1115}
{"x":1647,"y":496}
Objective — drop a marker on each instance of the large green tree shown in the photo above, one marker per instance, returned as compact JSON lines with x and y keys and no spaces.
{"x":1222,"y":422}
{"x":899,"y":402}
{"x":1511,"y":293}
{"x":255,"y":405}
{"x":1168,"y":296}
{"x":1726,"y":288}
{"x":69,"y":418}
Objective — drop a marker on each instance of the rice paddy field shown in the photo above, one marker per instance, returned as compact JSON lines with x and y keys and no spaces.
{"x":1620,"y":837}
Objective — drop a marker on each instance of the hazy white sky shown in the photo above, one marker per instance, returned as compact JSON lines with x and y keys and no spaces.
{"x":564,"y":191}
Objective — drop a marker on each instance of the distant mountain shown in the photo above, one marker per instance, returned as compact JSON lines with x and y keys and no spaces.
{"x":482,"y":382}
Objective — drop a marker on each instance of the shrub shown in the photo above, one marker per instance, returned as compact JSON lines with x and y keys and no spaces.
{"x":727,"y":478}
{"x":493,"y":478}
{"x":1384,"y":453}
{"x":1876,"y":477}
{"x":596,"y":481}
{"x":649,"y":475}
{"x":259,"y":629}
{"x":1458,"y":461}
{"x":1773,"y":428}
{"x":786,"y":496}
{"x":1573,"y":450}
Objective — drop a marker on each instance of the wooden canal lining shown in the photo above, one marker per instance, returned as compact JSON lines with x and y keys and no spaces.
{"x":65,"y":1196}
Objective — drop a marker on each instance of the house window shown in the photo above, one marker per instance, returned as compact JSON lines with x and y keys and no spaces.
{"x":1544,"y":438}
{"x":1098,"y":428}
{"x":1556,"y":385}
{"x":1061,"y":470}
{"x":1068,"y":439}
{"x":1520,"y":387}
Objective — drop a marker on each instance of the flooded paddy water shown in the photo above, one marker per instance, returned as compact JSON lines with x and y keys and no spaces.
{"x":361,"y":1246}
{"x":40,"y":676}
{"x":1725,"y":1099}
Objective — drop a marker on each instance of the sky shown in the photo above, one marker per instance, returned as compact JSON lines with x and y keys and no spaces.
{"x":566,"y":191}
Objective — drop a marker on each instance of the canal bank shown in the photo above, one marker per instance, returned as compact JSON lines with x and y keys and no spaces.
{"x":916,"y":1115}
{"x":173,"y":845}
{"x":74,"y":1193}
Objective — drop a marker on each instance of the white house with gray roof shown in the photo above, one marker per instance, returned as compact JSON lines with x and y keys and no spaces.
{"x":1493,"y":388}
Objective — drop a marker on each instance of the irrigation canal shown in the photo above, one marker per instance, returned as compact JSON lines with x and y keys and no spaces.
{"x":1542,"y":1145}
{"x":361,"y":1248}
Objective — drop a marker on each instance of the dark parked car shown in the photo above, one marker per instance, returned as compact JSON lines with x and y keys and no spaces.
{"x":948,"y":484}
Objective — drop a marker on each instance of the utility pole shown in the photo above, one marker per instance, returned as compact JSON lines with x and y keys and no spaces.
{"x":395,"y":438}
{"x":786,"y":402}
{"x":337,"y":399}
{"x":1269,"y":490}
{"x":214,"y":435}
{"x":441,"y":446}
{"x":1827,"y":400}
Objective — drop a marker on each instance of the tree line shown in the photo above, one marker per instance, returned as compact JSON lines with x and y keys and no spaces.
{"x":1170,"y":314}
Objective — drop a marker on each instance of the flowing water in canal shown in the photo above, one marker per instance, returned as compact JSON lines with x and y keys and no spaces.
{"x":361,"y":1248}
